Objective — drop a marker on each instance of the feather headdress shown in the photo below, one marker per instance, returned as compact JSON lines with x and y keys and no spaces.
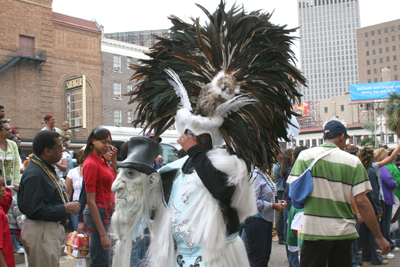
{"x":235,"y":75}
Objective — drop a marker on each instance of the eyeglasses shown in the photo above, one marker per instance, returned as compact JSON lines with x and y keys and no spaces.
{"x":7,"y":128}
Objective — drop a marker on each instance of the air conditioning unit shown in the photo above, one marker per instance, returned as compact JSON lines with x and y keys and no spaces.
{"x":118,"y":96}
{"x":118,"y":123}
{"x":117,"y":69}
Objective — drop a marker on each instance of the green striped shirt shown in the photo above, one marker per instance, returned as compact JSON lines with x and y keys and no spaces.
{"x":327,"y":211}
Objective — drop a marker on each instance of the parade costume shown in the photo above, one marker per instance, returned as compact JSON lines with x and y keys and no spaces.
{"x":232,"y":79}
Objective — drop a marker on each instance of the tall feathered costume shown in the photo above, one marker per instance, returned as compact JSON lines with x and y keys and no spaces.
{"x":234,"y":80}
{"x":245,"y":54}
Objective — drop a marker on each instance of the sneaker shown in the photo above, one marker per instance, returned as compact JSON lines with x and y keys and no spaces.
{"x":21,"y":251}
{"x":395,"y":249}
{"x":275,"y":238}
{"x":384,"y":262}
{"x":389,"y":256}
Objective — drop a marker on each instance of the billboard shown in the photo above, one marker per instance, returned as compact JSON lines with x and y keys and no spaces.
{"x":303,"y":109}
{"x":366,"y":91}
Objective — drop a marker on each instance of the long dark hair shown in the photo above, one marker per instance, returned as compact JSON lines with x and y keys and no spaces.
{"x":286,"y":161}
{"x":99,"y":133}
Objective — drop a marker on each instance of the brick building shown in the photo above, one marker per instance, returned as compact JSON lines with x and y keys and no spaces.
{"x":49,"y":64}
{"x":116,"y":58}
{"x":379,"y":47}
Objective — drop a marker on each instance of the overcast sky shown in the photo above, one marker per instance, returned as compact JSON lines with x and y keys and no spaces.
{"x":134,"y":15}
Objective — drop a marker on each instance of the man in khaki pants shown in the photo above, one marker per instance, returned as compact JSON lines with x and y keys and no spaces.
{"x":45,"y":204}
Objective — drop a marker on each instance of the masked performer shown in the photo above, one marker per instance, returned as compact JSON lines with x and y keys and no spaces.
{"x":230,"y":82}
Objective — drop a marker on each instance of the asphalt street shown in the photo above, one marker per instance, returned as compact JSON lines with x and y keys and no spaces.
{"x":278,"y":258}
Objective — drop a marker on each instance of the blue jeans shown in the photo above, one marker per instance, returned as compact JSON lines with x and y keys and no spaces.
{"x":74,"y":221}
{"x":98,"y":256}
{"x":139,"y":249}
{"x":257,"y":236}
{"x":355,"y":260}
{"x":369,"y":246}
{"x":385,"y":223}
{"x":293,"y":258}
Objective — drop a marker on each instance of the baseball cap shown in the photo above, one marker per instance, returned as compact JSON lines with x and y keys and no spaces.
{"x":335,"y":126}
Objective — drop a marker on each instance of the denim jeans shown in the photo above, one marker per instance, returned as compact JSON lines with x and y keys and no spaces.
{"x":139,"y":249}
{"x":370,"y":246}
{"x":98,"y":256}
{"x":74,"y":221}
{"x":257,"y":236}
{"x":385,"y":223}
{"x":293,"y":258}
{"x":355,"y":260}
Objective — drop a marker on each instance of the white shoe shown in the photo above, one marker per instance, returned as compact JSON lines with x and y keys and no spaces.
{"x":395,"y":249}
{"x":389,"y":256}
{"x":21,"y":251}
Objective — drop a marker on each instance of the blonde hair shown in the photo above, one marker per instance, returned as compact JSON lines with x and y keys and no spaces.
{"x":379,"y":154}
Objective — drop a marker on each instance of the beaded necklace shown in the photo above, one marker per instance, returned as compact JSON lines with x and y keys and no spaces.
{"x":6,"y":164}
{"x":271,"y":184}
{"x":52,"y":177}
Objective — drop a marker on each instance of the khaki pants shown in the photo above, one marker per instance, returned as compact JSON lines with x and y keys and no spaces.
{"x":43,"y":242}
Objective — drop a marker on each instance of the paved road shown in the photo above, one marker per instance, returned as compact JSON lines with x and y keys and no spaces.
{"x":278,"y":258}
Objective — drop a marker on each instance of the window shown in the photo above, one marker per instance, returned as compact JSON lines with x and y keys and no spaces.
{"x":391,"y":138}
{"x":394,"y":48}
{"x":366,"y":43}
{"x":326,"y":109}
{"x":373,"y":52}
{"x":379,"y":31}
{"x":395,"y":67}
{"x":386,"y":39}
{"x":393,"y":38}
{"x":396,"y":77}
{"x":130,"y":116}
{"x":374,"y":61}
{"x":314,"y":142}
{"x":368,"y":72}
{"x":373,"y":42}
{"x":117,"y":63}
{"x":375,"y":71}
{"x":386,"y":30}
{"x":366,"y":34}
{"x":375,"y":80}
{"x":372,"y":33}
{"x":117,"y":90}
{"x":381,"y":60}
{"x":387,"y":59}
{"x":367,"y":53}
{"x":307,"y":143}
{"x":387,"y":49}
{"x":368,"y":63}
{"x":342,"y":107}
{"x":128,"y":62}
{"x":394,"y":57}
{"x":301,"y":143}
{"x":320,"y":141}
{"x":129,"y":88}
{"x":369,"y":80}
{"x":379,"y":41}
{"x":117,"y":117}
{"x":380,"y":50}
{"x":392,"y":28}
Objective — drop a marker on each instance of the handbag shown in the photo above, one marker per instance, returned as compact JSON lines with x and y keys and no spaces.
{"x":303,"y":185}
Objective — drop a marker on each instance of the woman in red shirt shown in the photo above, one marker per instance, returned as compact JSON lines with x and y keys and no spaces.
{"x":99,"y":176}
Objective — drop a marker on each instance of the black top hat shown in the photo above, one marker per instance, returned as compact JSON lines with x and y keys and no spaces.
{"x":142,"y":152}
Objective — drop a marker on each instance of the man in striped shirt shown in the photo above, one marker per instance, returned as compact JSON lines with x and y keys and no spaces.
{"x":328,"y":224}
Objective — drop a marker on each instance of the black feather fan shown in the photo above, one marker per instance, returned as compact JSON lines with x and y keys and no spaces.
{"x":245,"y":45}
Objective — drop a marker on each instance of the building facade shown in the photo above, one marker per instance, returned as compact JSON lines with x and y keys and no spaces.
{"x":117,"y":56}
{"x":142,"y":38}
{"x":50,"y":63}
{"x":379,"y":48}
{"x":328,"y":47}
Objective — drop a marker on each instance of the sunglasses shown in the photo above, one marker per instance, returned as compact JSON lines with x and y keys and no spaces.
{"x":7,"y":128}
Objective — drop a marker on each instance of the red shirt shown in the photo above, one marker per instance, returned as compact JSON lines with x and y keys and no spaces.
{"x":5,"y":240}
{"x":99,"y":176}
{"x":5,"y":203}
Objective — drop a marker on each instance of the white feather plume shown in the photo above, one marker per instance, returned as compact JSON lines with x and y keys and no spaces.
{"x":233,"y":105}
{"x":180,"y":90}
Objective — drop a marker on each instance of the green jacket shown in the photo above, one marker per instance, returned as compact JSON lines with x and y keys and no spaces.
{"x":396,"y":177}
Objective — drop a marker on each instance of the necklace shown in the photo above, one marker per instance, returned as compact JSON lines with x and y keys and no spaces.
{"x":5,"y":161}
{"x":271,"y":184}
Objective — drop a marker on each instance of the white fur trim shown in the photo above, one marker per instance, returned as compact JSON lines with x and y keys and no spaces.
{"x":198,"y":124}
